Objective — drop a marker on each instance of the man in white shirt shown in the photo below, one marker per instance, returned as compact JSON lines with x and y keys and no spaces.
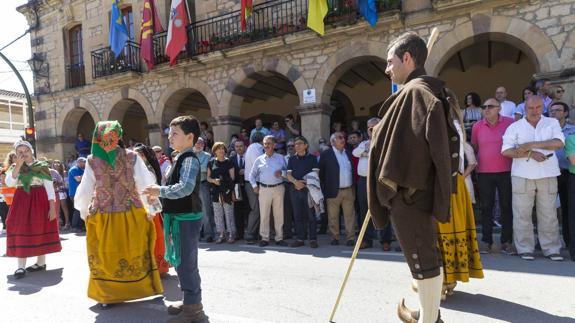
{"x":255,"y":149}
{"x":507,"y":107}
{"x":267,"y":181}
{"x":362,"y":152}
{"x":532,"y":142}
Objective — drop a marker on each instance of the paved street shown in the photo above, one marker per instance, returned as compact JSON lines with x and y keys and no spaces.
{"x":247,"y":284}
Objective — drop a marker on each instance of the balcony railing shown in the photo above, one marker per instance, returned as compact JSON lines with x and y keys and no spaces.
{"x":76,"y":75}
{"x":104,"y":61}
{"x":270,"y":19}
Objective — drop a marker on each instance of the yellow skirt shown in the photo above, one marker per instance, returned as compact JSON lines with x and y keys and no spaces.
{"x":121,"y":257}
{"x":458,"y":241}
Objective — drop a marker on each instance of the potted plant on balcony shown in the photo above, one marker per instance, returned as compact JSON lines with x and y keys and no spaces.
{"x":203,"y":47}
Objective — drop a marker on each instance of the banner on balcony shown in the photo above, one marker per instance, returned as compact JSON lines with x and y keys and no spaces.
{"x":118,"y":31}
{"x":316,"y":12}
{"x":368,"y":9}
{"x":150,"y":25}
{"x":177,"y":35}
{"x":246,"y":12}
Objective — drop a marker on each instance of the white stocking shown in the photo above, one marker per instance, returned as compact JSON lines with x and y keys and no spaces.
{"x":41,"y":260}
{"x":429,"y":291}
{"x":22,"y":263}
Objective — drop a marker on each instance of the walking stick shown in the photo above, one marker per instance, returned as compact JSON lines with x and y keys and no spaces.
{"x":430,"y":43}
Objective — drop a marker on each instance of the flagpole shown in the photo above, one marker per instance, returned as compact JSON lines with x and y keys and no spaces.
{"x":430,"y":43}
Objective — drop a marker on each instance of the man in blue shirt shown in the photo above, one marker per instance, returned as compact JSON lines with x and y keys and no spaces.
{"x":74,"y":177}
{"x":560,"y":111}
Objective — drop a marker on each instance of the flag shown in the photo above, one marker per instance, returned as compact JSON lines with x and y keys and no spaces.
{"x":316,"y":12}
{"x":368,"y":9}
{"x":177,"y":35}
{"x":150,"y":25}
{"x":118,"y":31}
{"x":246,"y":12}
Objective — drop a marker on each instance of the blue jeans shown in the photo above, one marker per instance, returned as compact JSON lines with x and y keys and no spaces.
{"x":303,"y":215}
{"x":208,"y":222}
{"x":188,"y":272}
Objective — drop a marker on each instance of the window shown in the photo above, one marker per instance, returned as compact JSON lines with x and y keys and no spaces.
{"x":11,"y":115}
{"x":129,"y":21}
{"x":75,"y":42}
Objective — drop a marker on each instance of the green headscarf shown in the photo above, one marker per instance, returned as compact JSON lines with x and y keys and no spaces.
{"x":105,"y":140}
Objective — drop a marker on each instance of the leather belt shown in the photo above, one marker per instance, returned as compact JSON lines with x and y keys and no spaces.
{"x":269,"y":186}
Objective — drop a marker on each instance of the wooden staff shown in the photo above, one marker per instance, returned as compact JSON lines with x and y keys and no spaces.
{"x":430,"y":43}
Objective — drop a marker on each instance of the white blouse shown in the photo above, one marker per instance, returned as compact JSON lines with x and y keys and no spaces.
{"x":85,"y":191}
{"x":47,"y":183}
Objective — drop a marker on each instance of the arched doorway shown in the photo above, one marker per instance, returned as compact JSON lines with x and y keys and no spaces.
{"x":361,"y":86}
{"x":485,"y":65}
{"x":133,"y":119}
{"x":78,"y":120}
{"x":268,"y":96}
{"x":186,"y":102}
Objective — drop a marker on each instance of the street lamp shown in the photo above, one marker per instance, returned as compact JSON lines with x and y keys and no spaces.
{"x":37,"y":65}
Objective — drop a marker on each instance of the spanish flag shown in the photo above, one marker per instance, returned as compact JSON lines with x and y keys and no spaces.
{"x":316,"y":12}
{"x":246,"y":12}
{"x":150,"y":26}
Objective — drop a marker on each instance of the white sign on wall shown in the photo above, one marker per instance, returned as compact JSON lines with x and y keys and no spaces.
{"x":308,"y":96}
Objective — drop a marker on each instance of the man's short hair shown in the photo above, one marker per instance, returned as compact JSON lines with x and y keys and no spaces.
{"x":563,"y":104}
{"x":188,"y":124}
{"x":272,"y":138}
{"x":300,"y":138}
{"x":257,"y":137}
{"x":357,"y":133}
{"x":411,"y":43}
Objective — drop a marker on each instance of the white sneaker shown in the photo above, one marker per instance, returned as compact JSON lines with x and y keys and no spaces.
{"x":555,"y":257}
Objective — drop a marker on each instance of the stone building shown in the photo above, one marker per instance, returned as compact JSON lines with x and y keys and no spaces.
{"x":13,"y":116}
{"x":229,"y":77}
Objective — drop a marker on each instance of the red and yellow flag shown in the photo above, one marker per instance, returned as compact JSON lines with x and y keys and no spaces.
{"x":150,"y":25}
{"x":246,"y":12}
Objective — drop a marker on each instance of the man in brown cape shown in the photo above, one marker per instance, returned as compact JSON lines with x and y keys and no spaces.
{"x":412,"y":167}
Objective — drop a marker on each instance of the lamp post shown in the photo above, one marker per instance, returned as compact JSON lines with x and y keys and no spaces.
{"x":29,"y":110}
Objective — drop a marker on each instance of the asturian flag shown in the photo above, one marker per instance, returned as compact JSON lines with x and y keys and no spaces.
{"x":177,"y":35}
{"x":118,"y":31}
{"x":150,"y":25}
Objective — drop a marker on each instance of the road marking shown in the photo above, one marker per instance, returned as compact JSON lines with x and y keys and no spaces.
{"x":373,"y":253}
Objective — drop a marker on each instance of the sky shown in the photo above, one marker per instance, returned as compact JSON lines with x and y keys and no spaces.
{"x":12,"y":25}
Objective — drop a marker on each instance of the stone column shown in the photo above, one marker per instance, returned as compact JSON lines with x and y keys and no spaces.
{"x":155,"y":135}
{"x":315,"y":122}
{"x":225,"y":126}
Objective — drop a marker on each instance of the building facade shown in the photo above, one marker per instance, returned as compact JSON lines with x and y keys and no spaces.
{"x":278,"y":66}
{"x":13,"y":118}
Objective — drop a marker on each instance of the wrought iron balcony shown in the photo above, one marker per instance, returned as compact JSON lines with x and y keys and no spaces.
{"x":270,"y":19}
{"x":104,"y":61}
{"x":75,"y":75}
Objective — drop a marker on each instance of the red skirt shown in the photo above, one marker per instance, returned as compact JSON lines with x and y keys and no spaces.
{"x":29,"y":232}
{"x":160,"y":247}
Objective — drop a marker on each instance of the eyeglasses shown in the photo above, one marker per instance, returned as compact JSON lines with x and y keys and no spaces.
{"x":489,"y":106}
{"x":556,"y":110}
{"x":559,"y":91}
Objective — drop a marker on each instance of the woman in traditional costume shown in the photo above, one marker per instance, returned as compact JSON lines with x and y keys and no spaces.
{"x":120,"y":237}
{"x":457,"y":238}
{"x":32,"y":225}
{"x":149,"y":157}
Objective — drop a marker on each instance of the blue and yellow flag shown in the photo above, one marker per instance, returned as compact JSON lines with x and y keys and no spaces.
{"x":316,"y":12}
{"x":368,"y":9}
{"x":118,"y":31}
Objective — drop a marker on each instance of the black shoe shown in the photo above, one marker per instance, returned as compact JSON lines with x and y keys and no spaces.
{"x":19,"y":273}
{"x":209,"y":239}
{"x":36,"y":267}
{"x":281,"y":243}
{"x":313,"y":244}
{"x":334,"y":242}
{"x":350,"y":243}
{"x":297,"y":244}
{"x":263,"y":243}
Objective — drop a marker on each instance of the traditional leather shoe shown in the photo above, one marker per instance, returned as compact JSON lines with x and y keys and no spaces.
{"x":193,"y":313}
{"x":36,"y":267}
{"x":176,"y":308}
{"x":313,"y":244}
{"x":334,"y":242}
{"x":281,"y":243}
{"x":19,"y":273}
{"x":263,"y":243}
{"x":405,"y":314}
{"x":297,"y":243}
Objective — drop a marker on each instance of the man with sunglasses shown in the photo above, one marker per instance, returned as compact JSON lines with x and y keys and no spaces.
{"x":532,"y":142}
{"x":560,"y":111}
{"x":493,"y":175}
